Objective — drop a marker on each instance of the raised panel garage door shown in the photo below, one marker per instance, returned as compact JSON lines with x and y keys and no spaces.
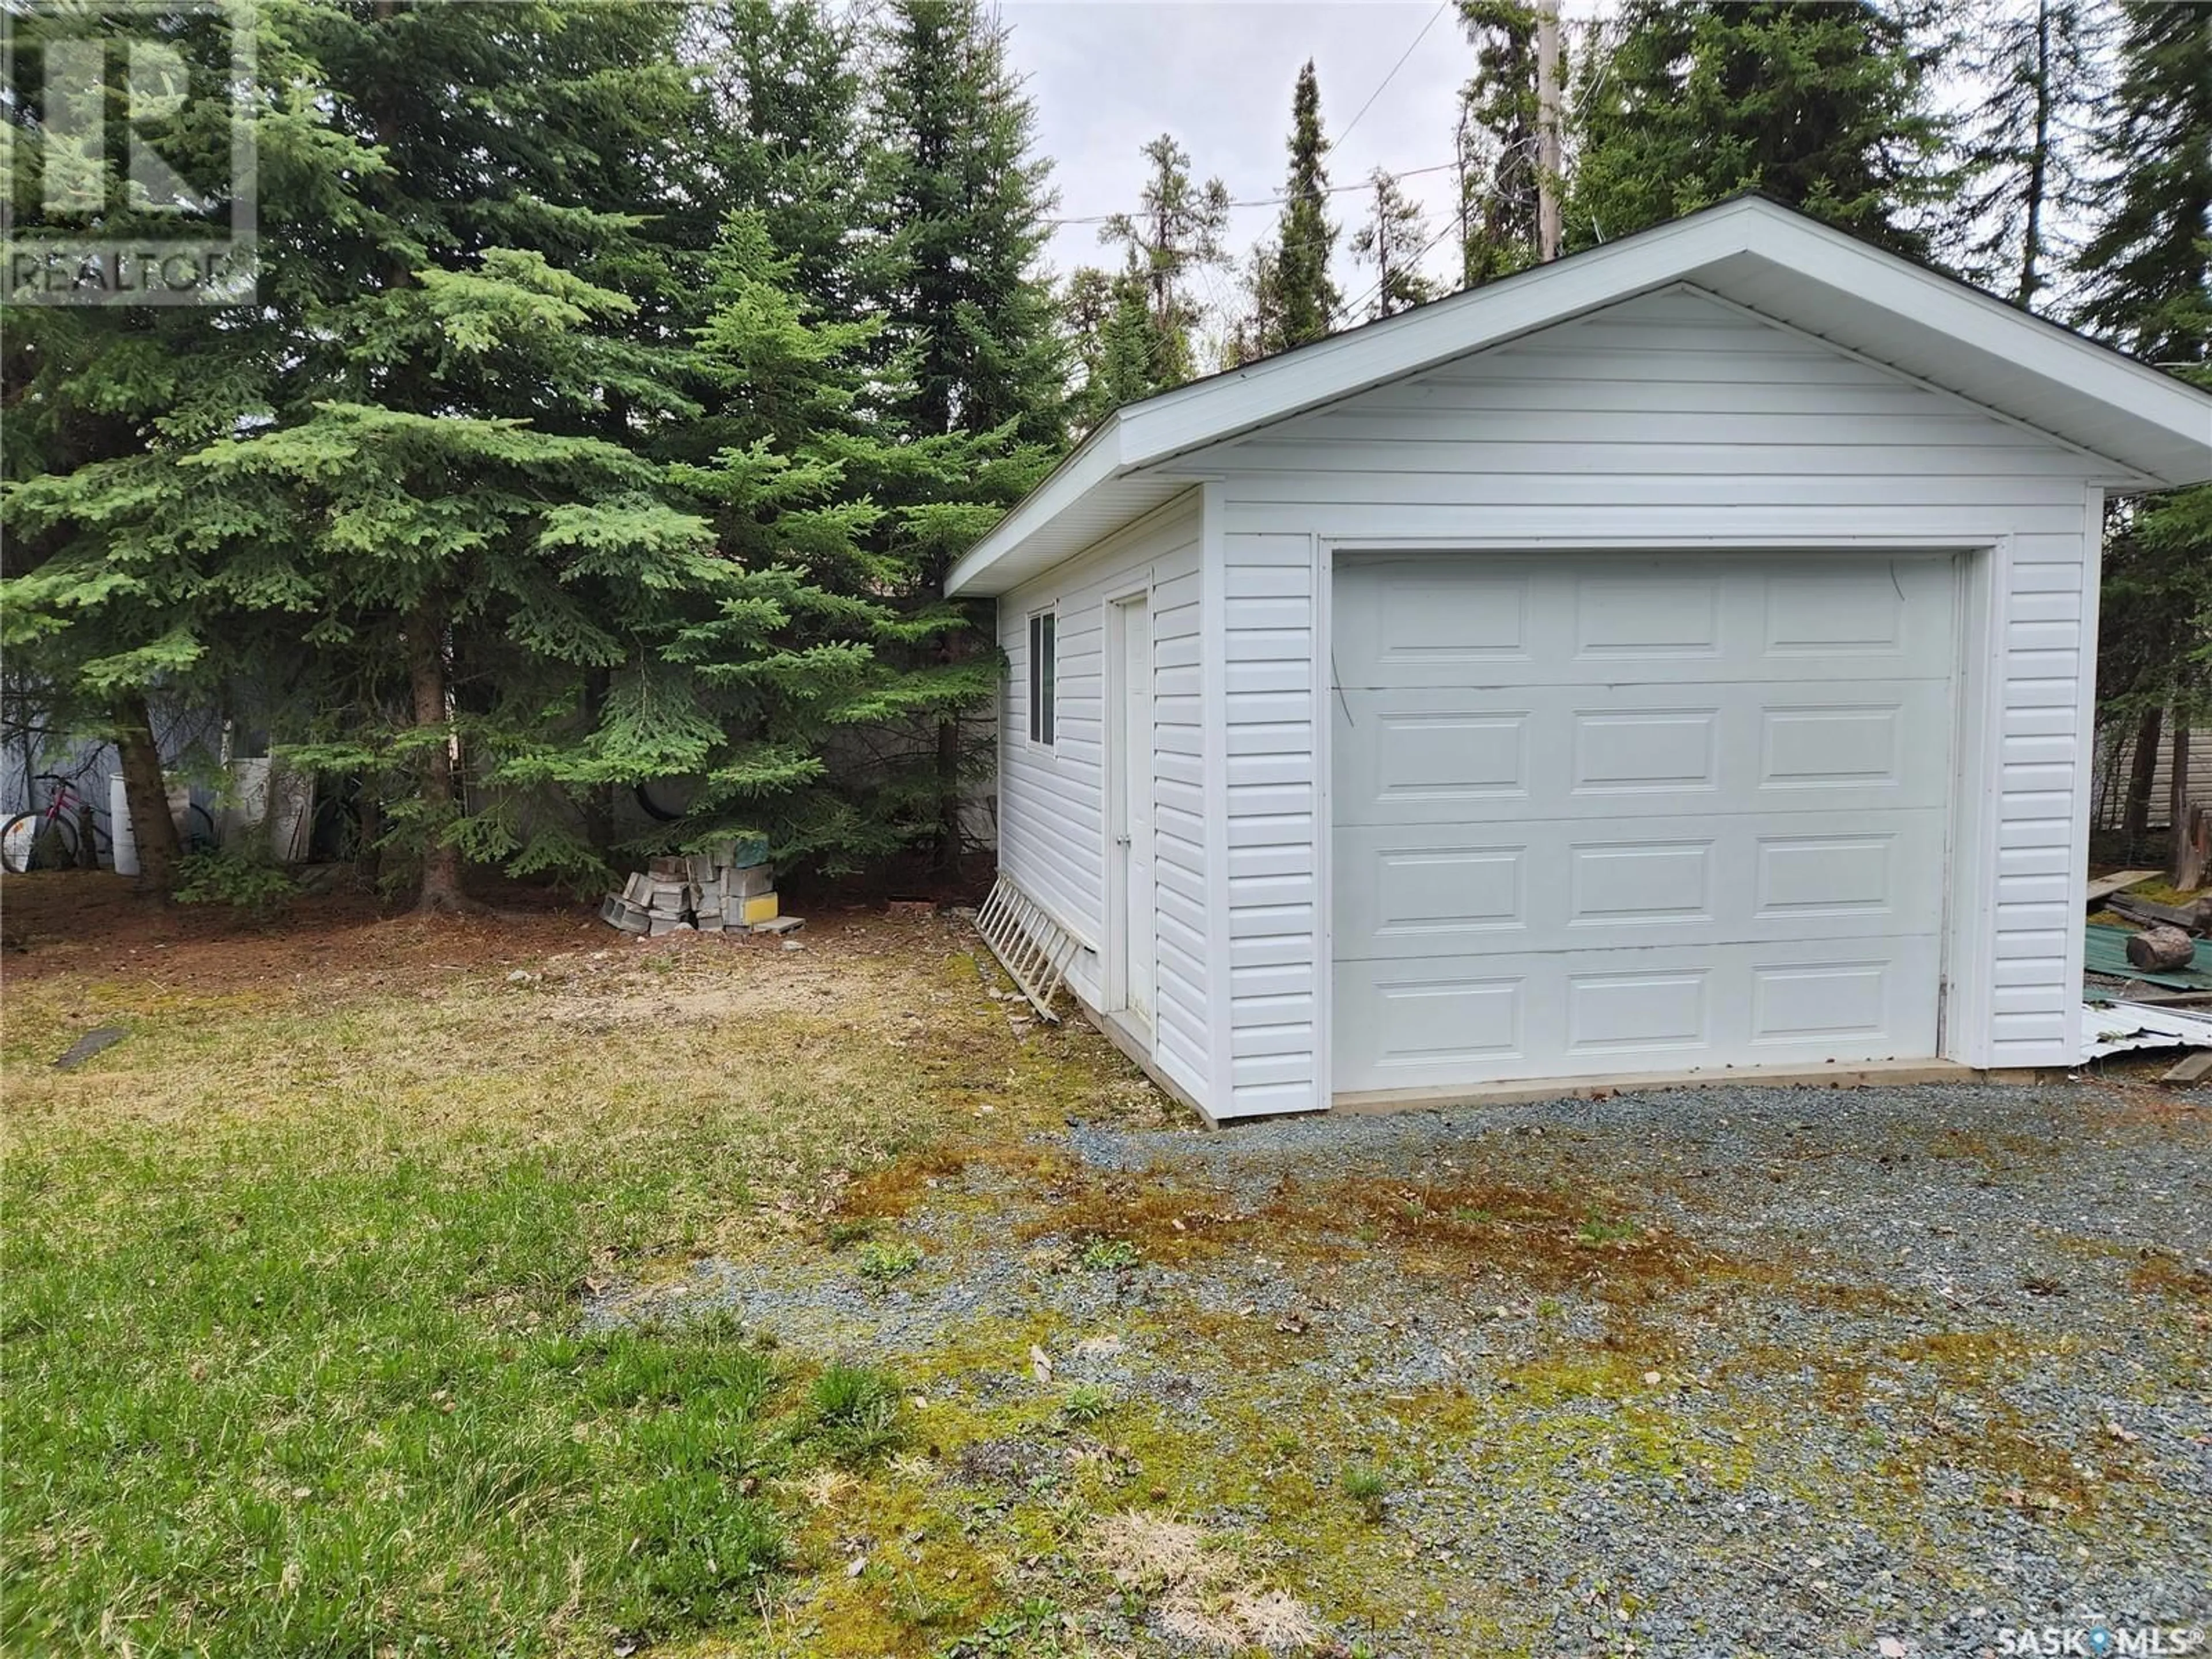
{"x":1596,"y":814}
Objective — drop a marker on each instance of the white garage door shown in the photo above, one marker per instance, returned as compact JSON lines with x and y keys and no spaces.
{"x":1608,"y":813}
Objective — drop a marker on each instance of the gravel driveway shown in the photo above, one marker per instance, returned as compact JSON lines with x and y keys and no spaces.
{"x":1749,"y":1371}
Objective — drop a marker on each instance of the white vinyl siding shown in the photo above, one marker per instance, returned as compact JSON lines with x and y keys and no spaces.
{"x":1669,"y":418}
{"x":1052,"y":802}
{"x":1269,"y":680}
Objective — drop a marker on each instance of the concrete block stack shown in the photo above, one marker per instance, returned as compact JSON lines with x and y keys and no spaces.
{"x":722,"y":891}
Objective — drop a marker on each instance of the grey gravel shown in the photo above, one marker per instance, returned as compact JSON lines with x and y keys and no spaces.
{"x":1973,"y":1395}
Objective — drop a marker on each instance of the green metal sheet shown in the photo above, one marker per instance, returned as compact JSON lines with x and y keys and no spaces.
{"x":2107,"y":953}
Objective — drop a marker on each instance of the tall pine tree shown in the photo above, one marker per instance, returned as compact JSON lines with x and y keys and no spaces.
{"x":974,"y":362}
{"x":1175,"y":233}
{"x":1118,"y":352}
{"x":2024,"y":140}
{"x":100,"y":622}
{"x":1498,"y":141}
{"x":1257,"y":329}
{"x":785,"y":133}
{"x":1392,"y":239}
{"x":1824,"y":107}
{"x":418,"y":474}
{"x":962,"y":197}
{"x":2147,"y":269}
{"x":1306,"y":300}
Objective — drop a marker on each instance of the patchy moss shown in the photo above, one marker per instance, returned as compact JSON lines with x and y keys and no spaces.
{"x":1162,"y":1219}
{"x":1963,"y":1360}
{"x":1549,"y":1238}
{"x":2168,"y":1275}
{"x":922,"y":1581}
{"x":1578,"y":1374}
{"x":891,"y":1191}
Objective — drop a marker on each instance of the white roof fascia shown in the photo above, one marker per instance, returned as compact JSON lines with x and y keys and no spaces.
{"x":2167,"y":415}
{"x":1096,"y":460}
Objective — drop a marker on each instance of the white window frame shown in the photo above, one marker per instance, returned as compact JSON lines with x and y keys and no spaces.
{"x":1041,"y":641}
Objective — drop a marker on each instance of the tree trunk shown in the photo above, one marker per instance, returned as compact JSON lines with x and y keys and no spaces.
{"x":2193,"y":860}
{"x":147,"y":795}
{"x":2039,"y":167}
{"x":2160,"y":949}
{"x":2177,"y":795}
{"x":597,"y":804}
{"x":957,"y":647}
{"x":2135,"y":819}
{"x":369,"y":830}
{"x":426,"y":675}
{"x":948,"y":794}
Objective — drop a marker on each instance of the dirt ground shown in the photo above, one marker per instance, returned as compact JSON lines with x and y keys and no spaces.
{"x":92,"y":924}
{"x":1743,"y":1372}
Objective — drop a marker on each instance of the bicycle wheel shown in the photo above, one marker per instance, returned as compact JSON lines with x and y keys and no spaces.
{"x":199,"y":829}
{"x":32,"y":841}
{"x":17,"y":841}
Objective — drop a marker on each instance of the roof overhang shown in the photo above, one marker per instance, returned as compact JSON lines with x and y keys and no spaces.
{"x":2155,"y":429}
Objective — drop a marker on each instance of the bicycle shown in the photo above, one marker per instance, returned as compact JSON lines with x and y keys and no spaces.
{"x":49,"y":840}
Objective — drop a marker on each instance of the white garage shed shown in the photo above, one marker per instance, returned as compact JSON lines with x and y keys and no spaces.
{"x":1673,"y":661}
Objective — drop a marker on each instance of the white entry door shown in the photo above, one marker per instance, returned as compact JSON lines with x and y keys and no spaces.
{"x":1595,"y":814}
{"x":1132,"y":808}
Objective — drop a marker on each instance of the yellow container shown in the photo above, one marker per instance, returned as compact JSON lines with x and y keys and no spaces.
{"x":760,"y":907}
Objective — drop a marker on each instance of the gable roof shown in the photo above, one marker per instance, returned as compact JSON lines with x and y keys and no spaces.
{"x":2155,"y":428}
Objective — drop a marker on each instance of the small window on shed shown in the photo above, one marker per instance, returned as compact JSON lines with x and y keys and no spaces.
{"x":1044,"y":676}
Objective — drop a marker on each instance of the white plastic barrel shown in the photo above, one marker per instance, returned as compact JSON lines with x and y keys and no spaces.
{"x":118,"y":828}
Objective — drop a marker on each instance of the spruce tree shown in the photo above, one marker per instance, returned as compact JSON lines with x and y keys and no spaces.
{"x":784,"y":131}
{"x":412,"y":471}
{"x":2023,"y":150}
{"x":1115,"y":348}
{"x":1826,"y":108}
{"x":799,"y":642}
{"x":98,"y":622}
{"x":973,"y":363}
{"x":1256,"y":330}
{"x":1306,"y":300}
{"x":1498,"y":141}
{"x":1392,"y":239}
{"x":2147,"y":271}
{"x":1176,"y":232}
{"x":963,"y":199}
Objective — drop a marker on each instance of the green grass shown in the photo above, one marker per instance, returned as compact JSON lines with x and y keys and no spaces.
{"x":856,"y":1411}
{"x":1108,"y":1256}
{"x":286,"y":1415}
{"x":292,"y":1328}
{"x":1601,"y":1229}
{"x":882,"y":1263}
{"x":1086,"y":1403}
{"x":1368,"y":1486}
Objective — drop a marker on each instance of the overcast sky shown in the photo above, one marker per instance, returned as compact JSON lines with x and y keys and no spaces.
{"x":1110,"y":74}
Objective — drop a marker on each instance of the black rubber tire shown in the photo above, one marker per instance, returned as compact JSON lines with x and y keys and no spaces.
{"x":651,"y":807}
{"x":29,"y":841}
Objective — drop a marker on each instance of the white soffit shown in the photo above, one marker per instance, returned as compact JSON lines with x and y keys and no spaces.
{"x":2155,"y":430}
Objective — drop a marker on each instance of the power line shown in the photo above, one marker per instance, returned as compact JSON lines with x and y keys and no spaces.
{"x":1273,"y":201}
{"x":1441,"y":8}
{"x":1375,"y":287}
